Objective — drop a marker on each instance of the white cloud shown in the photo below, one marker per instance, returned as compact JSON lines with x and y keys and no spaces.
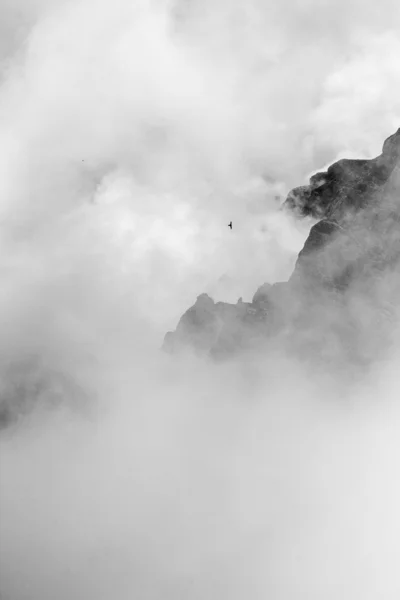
{"x":131,"y":133}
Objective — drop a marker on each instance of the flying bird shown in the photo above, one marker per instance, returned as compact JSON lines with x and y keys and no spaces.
{"x":230,"y":225}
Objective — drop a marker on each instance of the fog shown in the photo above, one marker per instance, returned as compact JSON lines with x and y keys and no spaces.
{"x":131,"y":133}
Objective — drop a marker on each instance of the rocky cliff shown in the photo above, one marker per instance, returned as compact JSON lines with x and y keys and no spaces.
{"x":341,"y":299}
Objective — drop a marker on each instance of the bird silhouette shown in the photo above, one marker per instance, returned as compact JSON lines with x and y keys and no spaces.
{"x":230,"y":225}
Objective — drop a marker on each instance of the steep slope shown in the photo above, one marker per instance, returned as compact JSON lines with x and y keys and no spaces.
{"x":341,"y":298}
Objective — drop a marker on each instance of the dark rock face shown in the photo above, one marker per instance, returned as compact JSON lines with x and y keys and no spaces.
{"x":347,"y":185}
{"x":208,"y":325}
{"x":333,"y":300}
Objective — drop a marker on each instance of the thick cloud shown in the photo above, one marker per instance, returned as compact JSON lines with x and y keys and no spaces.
{"x":131,"y":133}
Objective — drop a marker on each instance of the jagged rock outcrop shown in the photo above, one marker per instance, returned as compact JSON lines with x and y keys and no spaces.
{"x":355,"y":200}
{"x":347,"y":186}
{"x":355,"y":242}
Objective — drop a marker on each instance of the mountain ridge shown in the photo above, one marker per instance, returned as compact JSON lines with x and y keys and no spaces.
{"x":355,"y":240}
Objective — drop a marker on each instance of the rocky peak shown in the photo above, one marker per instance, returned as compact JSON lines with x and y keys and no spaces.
{"x":346,"y":186}
{"x":356,"y":238}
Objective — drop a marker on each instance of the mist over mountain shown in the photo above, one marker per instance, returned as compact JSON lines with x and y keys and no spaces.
{"x":340,"y":303}
{"x":258,"y":459}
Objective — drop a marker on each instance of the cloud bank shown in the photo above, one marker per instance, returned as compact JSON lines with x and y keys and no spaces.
{"x":131,"y":133}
